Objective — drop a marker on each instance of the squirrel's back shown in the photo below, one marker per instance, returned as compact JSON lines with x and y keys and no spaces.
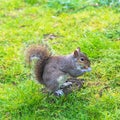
{"x":42,"y":54}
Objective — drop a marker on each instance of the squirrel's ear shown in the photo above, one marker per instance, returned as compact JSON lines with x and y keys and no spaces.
{"x":75,"y":53}
{"x":78,"y":49}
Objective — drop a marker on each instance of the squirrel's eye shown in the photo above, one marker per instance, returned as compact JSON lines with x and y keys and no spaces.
{"x":82,"y":59}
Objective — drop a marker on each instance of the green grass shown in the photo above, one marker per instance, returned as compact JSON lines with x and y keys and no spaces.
{"x":95,"y":29}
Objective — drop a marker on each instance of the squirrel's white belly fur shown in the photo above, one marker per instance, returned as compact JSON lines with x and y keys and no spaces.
{"x":61,"y":80}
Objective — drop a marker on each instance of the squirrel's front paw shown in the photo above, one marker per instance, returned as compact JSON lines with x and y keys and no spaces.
{"x":86,"y":70}
{"x":59,"y":92}
{"x":66,"y":84}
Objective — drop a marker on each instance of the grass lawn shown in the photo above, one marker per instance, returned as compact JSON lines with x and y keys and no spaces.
{"x":95,"y":29}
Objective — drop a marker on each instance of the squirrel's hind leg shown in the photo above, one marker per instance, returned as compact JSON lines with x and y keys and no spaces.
{"x":60,"y":92}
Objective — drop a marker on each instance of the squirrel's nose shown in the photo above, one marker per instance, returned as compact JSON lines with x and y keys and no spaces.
{"x":86,"y":67}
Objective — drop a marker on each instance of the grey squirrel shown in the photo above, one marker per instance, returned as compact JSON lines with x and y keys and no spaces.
{"x":53,"y":71}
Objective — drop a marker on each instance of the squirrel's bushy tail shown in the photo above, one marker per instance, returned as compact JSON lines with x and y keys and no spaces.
{"x":41,"y":54}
